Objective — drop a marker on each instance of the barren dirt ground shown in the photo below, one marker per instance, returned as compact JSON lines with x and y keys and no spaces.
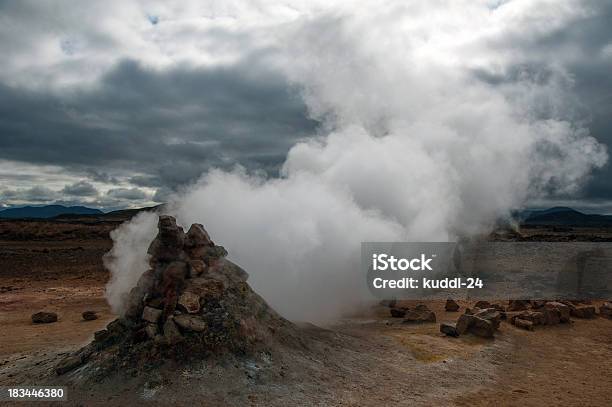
{"x":369,"y":360}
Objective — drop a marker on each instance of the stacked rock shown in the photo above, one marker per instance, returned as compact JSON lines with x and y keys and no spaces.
{"x":192,"y":292}
{"x":192,"y":299}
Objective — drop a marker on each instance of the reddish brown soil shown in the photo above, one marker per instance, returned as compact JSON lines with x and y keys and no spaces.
{"x":369,"y":360}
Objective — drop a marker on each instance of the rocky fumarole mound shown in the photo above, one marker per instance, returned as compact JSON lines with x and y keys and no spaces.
{"x":191,"y":302}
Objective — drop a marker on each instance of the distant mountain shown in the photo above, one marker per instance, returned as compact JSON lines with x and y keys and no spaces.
{"x":47,"y":211}
{"x":562,"y":216}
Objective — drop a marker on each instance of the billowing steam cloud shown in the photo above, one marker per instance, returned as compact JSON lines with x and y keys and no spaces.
{"x":413,"y":146}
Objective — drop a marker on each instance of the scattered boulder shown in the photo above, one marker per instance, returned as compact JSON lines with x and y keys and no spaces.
{"x":463,"y":323}
{"x":420,"y":314}
{"x":490,"y":314}
{"x":73,"y":361}
{"x":89,"y":315}
{"x":518,"y":305}
{"x":451,"y":305}
{"x":475,"y":325}
{"x":397,"y":312}
{"x":499,"y":307}
{"x":449,"y":329}
{"x":583,"y":311}
{"x":44,"y":317}
{"x":482,"y":327}
{"x":556,"y":311}
{"x":551,"y":313}
{"x":523,"y":323}
{"x":605,"y":310}
{"x":482,"y":304}
{"x":535,"y":317}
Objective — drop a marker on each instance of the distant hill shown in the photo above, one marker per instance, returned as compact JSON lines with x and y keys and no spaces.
{"x":563,"y":216}
{"x":47,"y":211}
{"x":113,"y":216}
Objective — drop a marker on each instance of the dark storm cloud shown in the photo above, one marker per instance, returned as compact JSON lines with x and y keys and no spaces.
{"x":170,"y":126}
{"x":81,"y":188}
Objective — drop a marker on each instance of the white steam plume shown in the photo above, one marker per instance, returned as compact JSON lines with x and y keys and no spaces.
{"x":416,"y":147}
{"x":128,"y":258}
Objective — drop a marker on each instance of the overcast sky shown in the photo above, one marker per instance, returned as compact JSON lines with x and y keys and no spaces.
{"x":118,"y":104}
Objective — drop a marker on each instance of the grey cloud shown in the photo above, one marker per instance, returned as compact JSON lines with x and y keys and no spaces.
{"x":34,"y":194}
{"x":127,"y":193}
{"x":170,"y":126}
{"x":81,"y":188}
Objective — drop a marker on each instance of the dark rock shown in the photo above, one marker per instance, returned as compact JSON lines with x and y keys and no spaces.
{"x":151,"y":314}
{"x":482,"y":327}
{"x":536,"y":317}
{"x":552,"y":316}
{"x":102,"y":335}
{"x":561,"y":311}
{"x":451,"y":305}
{"x":67,"y":364}
{"x":151,"y":330}
{"x":171,"y":332}
{"x":189,"y":302}
{"x":524,"y":324}
{"x":196,"y":268}
{"x":421,"y":307}
{"x":419,"y":315}
{"x":190,"y":323}
{"x":583,"y":311}
{"x":75,"y":360}
{"x":449,"y":329}
{"x":44,"y":317}
{"x":499,"y":307}
{"x":476,"y":325}
{"x":89,"y":315}
{"x":605,"y":310}
{"x":482,"y":304}
{"x":397,"y":312}
{"x":135,"y":302}
{"x":168,"y":244}
{"x":490,"y":314}
{"x":463,"y":323}
{"x":172,"y":283}
{"x":518,"y":305}
{"x":197,"y":236}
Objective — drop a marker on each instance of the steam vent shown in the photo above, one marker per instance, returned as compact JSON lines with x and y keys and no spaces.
{"x":192,"y":302}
